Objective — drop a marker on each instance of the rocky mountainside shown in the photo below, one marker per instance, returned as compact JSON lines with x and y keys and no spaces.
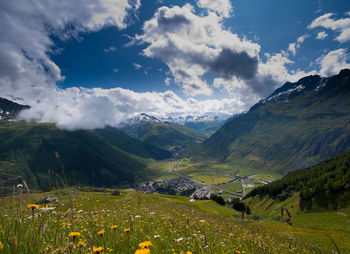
{"x":10,"y":109}
{"x":299,"y":125}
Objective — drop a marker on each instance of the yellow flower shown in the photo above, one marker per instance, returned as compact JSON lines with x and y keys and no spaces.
{"x":188,"y":252}
{"x":82,"y":243}
{"x":143,"y":251}
{"x":97,"y":250}
{"x":1,"y":246}
{"x":127,"y":229}
{"x":145,"y":244}
{"x":74,"y":234}
{"x":114,"y":227}
{"x":101,"y":233}
{"x":33,"y":206}
{"x":56,"y":201}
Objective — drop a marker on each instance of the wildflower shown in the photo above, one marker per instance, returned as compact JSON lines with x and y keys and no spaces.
{"x":56,"y":201}
{"x":127,"y":230}
{"x":1,"y":246}
{"x":74,"y":234}
{"x":33,"y":206}
{"x":114,"y":227}
{"x":138,"y":216}
{"x":101,"y":233}
{"x":179,"y":239}
{"x":145,"y":244}
{"x":82,"y":243}
{"x":156,"y":236}
{"x":143,"y":251}
{"x":97,"y":250}
{"x":188,"y":252}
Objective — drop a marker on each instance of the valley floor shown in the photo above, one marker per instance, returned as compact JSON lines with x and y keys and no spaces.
{"x":171,"y":223}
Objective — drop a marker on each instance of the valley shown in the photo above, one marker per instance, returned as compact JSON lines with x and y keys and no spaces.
{"x":278,"y":173}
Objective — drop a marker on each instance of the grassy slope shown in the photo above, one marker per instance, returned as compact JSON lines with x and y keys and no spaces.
{"x":123,"y":141}
{"x":289,"y":135}
{"x":164,"y":135}
{"x":200,"y":227}
{"x":28,"y":150}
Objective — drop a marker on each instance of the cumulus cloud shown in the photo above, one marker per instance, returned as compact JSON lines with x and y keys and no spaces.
{"x":342,"y":25}
{"x":321,"y":35}
{"x":296,"y":45}
{"x":271,"y":74}
{"x":193,"y":45}
{"x":110,"y":49}
{"x":333,"y":62}
{"x":26,"y":45}
{"x":82,"y":108}
{"x":221,"y":7}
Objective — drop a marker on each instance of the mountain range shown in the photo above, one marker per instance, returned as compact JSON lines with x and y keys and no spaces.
{"x":158,"y":133}
{"x":298,"y":125}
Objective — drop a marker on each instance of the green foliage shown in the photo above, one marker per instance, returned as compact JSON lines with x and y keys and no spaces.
{"x":218,"y":199}
{"x":27,"y":150}
{"x":171,"y":223}
{"x":326,"y":185}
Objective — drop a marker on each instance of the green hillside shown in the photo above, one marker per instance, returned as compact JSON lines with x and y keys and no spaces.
{"x":299,"y":125}
{"x":164,"y":135}
{"x":28,"y":150}
{"x":125,"y":142}
{"x":323,"y":186}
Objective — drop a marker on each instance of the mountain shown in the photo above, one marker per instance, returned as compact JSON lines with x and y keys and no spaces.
{"x":205,"y":124}
{"x":299,"y":125}
{"x":167,"y":135}
{"x":104,"y":157}
{"x":132,"y":145}
{"x":10,"y":109}
{"x":325,"y":185}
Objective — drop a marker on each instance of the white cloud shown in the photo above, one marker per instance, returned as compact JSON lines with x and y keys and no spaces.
{"x":82,"y":108}
{"x":321,"y":35}
{"x":292,"y":48}
{"x":137,"y":66}
{"x":341,"y":25}
{"x":221,"y":7}
{"x":194,"y":45}
{"x":271,"y":75}
{"x":110,"y":49}
{"x":334,"y":61}
{"x":167,"y":81}
{"x":296,"y":45}
{"x":25,"y":45}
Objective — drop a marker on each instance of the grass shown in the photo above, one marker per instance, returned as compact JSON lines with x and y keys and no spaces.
{"x":171,"y":223}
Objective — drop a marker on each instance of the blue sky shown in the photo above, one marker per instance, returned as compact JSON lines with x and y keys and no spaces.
{"x":87,"y":63}
{"x":272,"y":24}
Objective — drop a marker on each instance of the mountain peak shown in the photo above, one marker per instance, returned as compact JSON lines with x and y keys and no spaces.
{"x":9,"y":109}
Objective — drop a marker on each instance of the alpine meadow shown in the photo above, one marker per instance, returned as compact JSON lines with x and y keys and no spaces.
{"x":180,"y":127}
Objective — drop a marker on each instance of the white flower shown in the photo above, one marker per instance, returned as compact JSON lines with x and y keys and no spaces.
{"x":138,"y":216}
{"x":179,"y":239}
{"x":151,"y":213}
{"x":156,"y":236}
{"x":19,"y":185}
{"x":202,"y":221}
{"x":47,"y":208}
{"x":192,"y":200}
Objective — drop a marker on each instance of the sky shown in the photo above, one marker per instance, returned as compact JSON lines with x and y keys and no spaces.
{"x":85,"y":64}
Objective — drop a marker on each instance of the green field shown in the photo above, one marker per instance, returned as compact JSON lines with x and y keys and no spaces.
{"x":171,"y":223}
